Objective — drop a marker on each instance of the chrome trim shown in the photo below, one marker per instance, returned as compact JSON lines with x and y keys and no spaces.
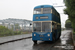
{"x":41,"y":10}
{"x":32,"y":26}
{"x":51,"y":26}
{"x":41,"y":26}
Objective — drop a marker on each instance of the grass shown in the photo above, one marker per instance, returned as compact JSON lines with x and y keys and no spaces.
{"x":25,"y":32}
{"x":3,"y":34}
{"x":6,"y":32}
{"x":74,"y":32}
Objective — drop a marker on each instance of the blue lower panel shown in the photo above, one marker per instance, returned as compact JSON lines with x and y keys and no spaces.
{"x":42,"y":38}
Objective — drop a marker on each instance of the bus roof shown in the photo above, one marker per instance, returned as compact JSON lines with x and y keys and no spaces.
{"x":43,"y":6}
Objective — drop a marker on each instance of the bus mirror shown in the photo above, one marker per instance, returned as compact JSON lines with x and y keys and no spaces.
{"x":30,"y":24}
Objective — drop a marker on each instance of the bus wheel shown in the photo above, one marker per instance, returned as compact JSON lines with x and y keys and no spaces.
{"x":59,"y":36}
{"x":35,"y":42}
{"x":53,"y":39}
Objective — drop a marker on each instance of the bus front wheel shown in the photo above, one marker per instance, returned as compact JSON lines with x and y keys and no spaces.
{"x":59,"y":35}
{"x":35,"y":42}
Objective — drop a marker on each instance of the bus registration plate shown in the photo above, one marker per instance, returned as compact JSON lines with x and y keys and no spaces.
{"x":41,"y":35}
{"x":41,"y":38}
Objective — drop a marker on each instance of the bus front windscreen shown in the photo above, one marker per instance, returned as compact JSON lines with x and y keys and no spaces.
{"x":37,"y":26}
{"x":41,"y":26}
{"x":46,"y":26}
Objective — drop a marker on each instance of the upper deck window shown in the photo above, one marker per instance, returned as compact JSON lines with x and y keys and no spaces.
{"x":46,"y":10}
{"x":37,"y":11}
{"x":42,"y":10}
{"x":55,"y":13}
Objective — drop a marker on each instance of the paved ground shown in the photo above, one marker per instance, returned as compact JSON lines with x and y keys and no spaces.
{"x":9,"y":38}
{"x":64,"y":43}
{"x":73,"y":37}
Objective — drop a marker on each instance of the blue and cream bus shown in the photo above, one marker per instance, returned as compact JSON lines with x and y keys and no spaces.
{"x":46,"y":24}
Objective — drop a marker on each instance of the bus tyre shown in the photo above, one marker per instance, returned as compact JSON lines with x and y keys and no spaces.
{"x":35,"y":42}
{"x":53,"y":39}
{"x":59,"y":35}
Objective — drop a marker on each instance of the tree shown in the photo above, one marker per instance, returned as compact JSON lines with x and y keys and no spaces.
{"x":70,"y":11}
{"x":17,"y":26}
{"x":68,"y":24}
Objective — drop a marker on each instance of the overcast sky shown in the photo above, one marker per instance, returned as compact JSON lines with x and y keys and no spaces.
{"x":23,"y":9}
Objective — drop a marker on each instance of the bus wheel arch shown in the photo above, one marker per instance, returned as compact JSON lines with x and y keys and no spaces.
{"x":35,"y":41}
{"x":53,"y":37}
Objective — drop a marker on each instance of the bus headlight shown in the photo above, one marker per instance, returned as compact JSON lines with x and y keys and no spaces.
{"x":48,"y":34}
{"x":34,"y":34}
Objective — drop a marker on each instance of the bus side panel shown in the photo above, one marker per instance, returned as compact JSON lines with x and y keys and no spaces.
{"x":55,"y":18}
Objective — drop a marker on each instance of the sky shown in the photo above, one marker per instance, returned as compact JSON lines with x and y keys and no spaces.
{"x":23,"y":9}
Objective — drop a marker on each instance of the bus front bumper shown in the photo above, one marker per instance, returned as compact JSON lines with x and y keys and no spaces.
{"x":42,"y":38}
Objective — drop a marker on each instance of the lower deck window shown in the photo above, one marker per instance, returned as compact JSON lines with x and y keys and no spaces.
{"x":42,"y":26}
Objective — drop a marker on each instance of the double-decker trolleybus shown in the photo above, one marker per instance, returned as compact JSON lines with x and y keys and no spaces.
{"x":46,"y":24}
